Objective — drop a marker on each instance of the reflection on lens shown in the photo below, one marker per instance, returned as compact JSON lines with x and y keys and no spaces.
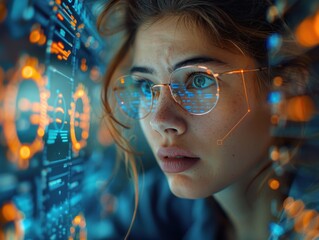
{"x":195,"y":89}
{"x":134,"y":96}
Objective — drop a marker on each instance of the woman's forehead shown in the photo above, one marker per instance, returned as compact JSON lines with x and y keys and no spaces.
{"x":171,"y":40}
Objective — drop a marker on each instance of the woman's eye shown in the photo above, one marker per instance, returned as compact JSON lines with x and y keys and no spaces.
{"x":144,"y":86}
{"x":201,"y":81}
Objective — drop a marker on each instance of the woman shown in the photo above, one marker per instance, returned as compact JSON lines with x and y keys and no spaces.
{"x":196,"y":76}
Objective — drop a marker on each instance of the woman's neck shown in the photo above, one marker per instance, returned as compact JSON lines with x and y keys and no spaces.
{"x":248,"y":205}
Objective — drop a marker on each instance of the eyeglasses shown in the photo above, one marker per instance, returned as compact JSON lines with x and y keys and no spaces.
{"x":194,"y":88}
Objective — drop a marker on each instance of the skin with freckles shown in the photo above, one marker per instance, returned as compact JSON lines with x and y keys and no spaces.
{"x":165,"y":44}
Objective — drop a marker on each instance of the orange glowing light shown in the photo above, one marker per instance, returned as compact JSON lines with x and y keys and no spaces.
{"x":27,"y":72}
{"x":95,"y":74}
{"x":81,"y":26}
{"x":61,"y":45}
{"x":60,"y":17}
{"x":25,"y":152}
{"x":9,"y":212}
{"x":274,"y":154}
{"x":3,"y":12}
{"x":274,"y":184}
{"x":78,"y":142}
{"x":35,"y":36}
{"x":20,"y":152}
{"x":84,"y":66}
{"x":40,"y":132}
{"x":42,"y":40}
{"x":58,"y":49}
{"x":304,"y":220}
{"x":272,"y":13}
{"x":293,"y":207}
{"x":78,"y":228}
{"x":57,"y":120}
{"x":80,"y":93}
{"x":316,"y":23}
{"x":77,"y":146}
{"x":300,"y":109}
{"x":278,"y":81}
{"x":85,"y":135}
{"x":59,"y":109}
{"x":77,"y":220}
{"x":307,"y":33}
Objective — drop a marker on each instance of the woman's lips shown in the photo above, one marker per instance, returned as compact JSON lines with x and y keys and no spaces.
{"x":176,"y":160}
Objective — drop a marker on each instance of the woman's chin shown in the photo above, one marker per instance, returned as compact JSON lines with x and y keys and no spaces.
{"x":184,"y":187}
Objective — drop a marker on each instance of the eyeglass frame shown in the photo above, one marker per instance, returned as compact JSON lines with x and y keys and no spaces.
{"x":215,"y":75}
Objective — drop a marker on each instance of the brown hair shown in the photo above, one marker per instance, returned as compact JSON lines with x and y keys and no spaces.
{"x":239,"y":24}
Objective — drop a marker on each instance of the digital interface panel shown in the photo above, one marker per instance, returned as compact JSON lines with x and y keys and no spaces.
{"x":51,"y":62}
{"x":55,"y":155}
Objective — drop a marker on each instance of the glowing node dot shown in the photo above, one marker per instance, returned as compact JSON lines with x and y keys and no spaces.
{"x":9,"y":212}
{"x":274,"y":184}
{"x":35,"y":36}
{"x":278,"y":81}
{"x":274,"y":155}
{"x":77,"y":146}
{"x":77,"y":220}
{"x":40,"y":132}
{"x":80,"y":93}
{"x":27,"y":72}
{"x":25,"y":152}
{"x":85,"y":135}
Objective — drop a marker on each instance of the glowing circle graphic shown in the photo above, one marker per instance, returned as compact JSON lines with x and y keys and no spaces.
{"x":25,"y":111}
{"x":79,"y":118}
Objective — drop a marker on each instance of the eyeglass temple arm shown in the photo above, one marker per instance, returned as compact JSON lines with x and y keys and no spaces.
{"x":242,"y":71}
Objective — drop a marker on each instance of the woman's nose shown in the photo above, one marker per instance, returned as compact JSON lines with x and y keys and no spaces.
{"x":167,"y":117}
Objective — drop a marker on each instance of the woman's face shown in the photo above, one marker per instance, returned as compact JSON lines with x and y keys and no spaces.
{"x":200,"y":155}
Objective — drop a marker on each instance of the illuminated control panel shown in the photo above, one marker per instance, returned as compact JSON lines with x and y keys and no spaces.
{"x":51,"y":62}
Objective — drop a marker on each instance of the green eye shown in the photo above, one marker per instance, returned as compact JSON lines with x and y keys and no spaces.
{"x":201,"y":81}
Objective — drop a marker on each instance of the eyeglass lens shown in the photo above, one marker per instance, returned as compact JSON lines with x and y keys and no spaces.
{"x":194,"y":88}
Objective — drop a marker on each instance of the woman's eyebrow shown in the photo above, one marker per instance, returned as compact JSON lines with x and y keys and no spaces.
{"x":142,"y":69}
{"x":196,"y":60}
{"x":189,"y":61}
